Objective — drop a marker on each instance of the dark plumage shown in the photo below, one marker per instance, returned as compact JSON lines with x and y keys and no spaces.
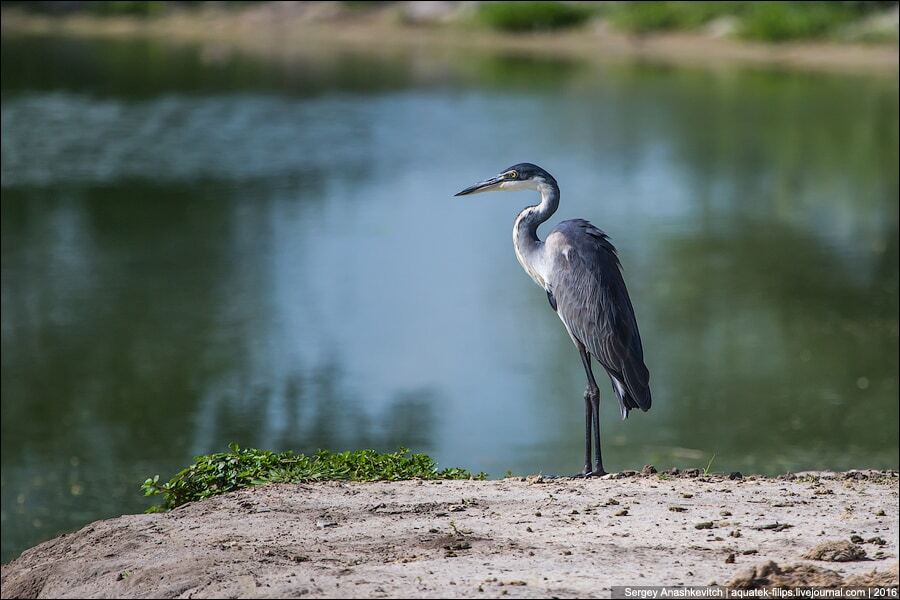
{"x":591,"y":299}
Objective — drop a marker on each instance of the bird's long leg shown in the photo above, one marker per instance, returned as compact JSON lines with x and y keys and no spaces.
{"x":587,"y":435}
{"x":595,"y":400}
{"x":591,"y":415}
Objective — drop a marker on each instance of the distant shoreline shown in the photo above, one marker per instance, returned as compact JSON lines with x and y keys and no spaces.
{"x":522,"y":537}
{"x":276,"y":33}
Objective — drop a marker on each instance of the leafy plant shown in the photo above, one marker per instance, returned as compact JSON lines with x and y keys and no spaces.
{"x":127,"y":8}
{"x":766,"y":20}
{"x":780,"y":21}
{"x":643,"y":17}
{"x":532,"y":15}
{"x":213,"y":474}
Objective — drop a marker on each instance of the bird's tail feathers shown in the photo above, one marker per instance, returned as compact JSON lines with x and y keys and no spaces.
{"x":634,"y":391}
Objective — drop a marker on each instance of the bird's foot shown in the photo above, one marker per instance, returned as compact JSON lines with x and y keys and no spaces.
{"x":587,"y":474}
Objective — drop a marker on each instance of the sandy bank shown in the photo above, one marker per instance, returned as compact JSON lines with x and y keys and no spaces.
{"x":279,"y":30}
{"x":533,"y":538}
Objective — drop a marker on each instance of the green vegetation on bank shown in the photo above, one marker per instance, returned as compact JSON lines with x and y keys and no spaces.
{"x":771,"y":21}
{"x":103,"y":8}
{"x":768,"y":21}
{"x":213,"y":474}
{"x":532,"y":16}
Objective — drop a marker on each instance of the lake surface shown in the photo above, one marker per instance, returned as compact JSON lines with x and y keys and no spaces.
{"x":202,"y":247}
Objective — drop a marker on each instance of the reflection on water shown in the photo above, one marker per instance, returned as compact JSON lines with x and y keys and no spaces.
{"x":196,"y":252}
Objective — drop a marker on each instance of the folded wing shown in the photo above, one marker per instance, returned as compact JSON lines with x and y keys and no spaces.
{"x":589,"y":292}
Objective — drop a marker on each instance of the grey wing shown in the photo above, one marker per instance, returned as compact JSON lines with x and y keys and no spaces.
{"x":589,"y":291}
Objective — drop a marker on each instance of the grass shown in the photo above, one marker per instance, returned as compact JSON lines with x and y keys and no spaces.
{"x":708,"y":466}
{"x":103,"y":8}
{"x":213,"y":474}
{"x":781,"y":21}
{"x":645,"y":17}
{"x":532,"y":16}
{"x":766,"y":21}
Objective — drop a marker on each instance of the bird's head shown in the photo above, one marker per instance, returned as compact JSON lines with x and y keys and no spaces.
{"x":523,"y":176}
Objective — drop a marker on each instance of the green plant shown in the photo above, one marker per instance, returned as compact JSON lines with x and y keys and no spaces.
{"x":780,"y":21}
{"x":213,"y":474}
{"x":532,"y":16}
{"x":709,"y":464}
{"x":126,"y":8}
{"x":766,"y":20}
{"x":361,"y":4}
{"x":642,"y":17}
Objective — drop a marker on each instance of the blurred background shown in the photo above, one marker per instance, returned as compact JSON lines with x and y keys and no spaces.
{"x":235,"y":223}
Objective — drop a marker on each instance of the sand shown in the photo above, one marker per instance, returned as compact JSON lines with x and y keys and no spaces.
{"x":529,"y":537}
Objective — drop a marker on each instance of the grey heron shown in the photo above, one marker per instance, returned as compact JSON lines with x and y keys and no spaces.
{"x":579,"y":269}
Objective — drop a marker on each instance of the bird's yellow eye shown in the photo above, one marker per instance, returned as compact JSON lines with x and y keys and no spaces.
{"x":511,"y":175}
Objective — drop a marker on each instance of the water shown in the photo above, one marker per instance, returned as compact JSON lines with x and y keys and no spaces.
{"x":200,"y":248}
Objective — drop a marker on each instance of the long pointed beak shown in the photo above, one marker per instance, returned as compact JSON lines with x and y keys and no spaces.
{"x":481,"y":186}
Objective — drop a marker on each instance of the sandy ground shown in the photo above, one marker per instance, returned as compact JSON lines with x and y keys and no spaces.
{"x":281,"y":29}
{"x":523,"y":538}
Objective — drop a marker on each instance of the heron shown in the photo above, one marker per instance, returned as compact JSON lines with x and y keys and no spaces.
{"x":579,"y":269}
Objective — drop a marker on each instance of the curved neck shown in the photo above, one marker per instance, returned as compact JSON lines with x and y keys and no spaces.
{"x":525,"y":238}
{"x":532,"y":216}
